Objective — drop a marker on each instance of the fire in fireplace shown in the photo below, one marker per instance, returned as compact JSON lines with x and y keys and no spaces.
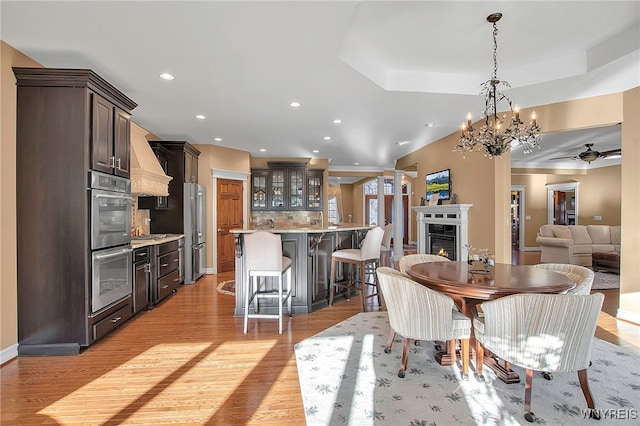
{"x":441,"y":240}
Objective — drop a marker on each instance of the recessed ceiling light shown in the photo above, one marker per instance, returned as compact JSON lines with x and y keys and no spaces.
{"x":217,"y":139}
{"x":356,"y":164}
{"x":339,"y":178}
{"x":430,"y":124}
{"x":316,"y":151}
{"x":200,"y":117}
{"x":337,"y":121}
{"x":263,"y":150}
{"x":400,"y":143}
{"x":166,"y":76}
{"x":295,"y":104}
{"x":327,"y":138}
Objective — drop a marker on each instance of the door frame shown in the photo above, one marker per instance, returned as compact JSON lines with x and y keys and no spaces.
{"x":520,"y":189}
{"x":551,"y":188}
{"x":224,"y":174}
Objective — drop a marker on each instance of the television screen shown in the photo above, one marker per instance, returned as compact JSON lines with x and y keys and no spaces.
{"x":440,"y":183}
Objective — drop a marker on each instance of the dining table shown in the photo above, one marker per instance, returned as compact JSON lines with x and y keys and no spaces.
{"x":469,"y":284}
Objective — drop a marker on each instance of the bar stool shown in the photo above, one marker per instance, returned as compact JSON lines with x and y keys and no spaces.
{"x":263,"y":258}
{"x":385,"y":249}
{"x":367,"y":254}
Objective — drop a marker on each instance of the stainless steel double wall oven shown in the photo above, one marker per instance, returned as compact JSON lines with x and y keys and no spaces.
{"x":111,"y":253}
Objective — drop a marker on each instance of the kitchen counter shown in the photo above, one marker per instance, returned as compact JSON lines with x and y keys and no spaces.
{"x":309,"y":230}
{"x":310,"y":251}
{"x":157,"y":239}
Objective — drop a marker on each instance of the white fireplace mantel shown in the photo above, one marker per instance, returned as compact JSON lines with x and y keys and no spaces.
{"x":449,"y":214}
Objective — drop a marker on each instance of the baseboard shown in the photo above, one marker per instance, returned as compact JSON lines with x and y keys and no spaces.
{"x":628,"y":316}
{"x":209,"y":271}
{"x":7,"y":354}
{"x":531,"y":249}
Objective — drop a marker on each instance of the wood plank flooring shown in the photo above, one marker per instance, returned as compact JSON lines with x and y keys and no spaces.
{"x":186,"y":362}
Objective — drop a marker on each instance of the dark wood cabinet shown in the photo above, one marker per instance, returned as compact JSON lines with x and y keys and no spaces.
{"x":166,"y":279}
{"x":110,"y":137}
{"x":286,"y":186}
{"x":167,"y":215}
{"x":60,"y":114}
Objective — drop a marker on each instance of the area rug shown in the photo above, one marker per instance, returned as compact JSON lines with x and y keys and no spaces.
{"x":227,"y":287}
{"x":347,"y":379}
{"x":604,"y":281}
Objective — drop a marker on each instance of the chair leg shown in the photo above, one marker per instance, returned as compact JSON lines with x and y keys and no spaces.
{"x":584,"y":384}
{"x":363,"y":286}
{"x":289,"y":291}
{"x":332,"y":281}
{"x":479,"y":359}
{"x":387,"y":347}
{"x":464,"y":347}
{"x":280,"y":303}
{"x":527,"y":391}
{"x":405,"y":357}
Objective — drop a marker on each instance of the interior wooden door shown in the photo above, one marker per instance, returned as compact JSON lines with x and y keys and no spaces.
{"x":229,"y":216}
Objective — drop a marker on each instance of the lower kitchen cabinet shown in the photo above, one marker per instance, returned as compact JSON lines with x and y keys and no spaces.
{"x":141,"y":278}
{"x":108,"y":323}
{"x":166,"y":279}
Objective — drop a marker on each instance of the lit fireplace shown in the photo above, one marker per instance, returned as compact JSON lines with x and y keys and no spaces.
{"x":443,"y":253}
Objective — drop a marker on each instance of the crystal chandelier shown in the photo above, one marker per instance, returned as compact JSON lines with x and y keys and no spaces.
{"x":495,"y":138}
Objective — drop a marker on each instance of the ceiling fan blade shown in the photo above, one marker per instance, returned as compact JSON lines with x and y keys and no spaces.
{"x":611,"y":152}
{"x":573,"y":157}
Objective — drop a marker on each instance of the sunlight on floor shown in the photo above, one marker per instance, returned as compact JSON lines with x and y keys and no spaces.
{"x":142,"y":395}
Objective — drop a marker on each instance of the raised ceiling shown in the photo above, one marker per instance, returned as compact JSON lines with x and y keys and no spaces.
{"x":386,"y":69}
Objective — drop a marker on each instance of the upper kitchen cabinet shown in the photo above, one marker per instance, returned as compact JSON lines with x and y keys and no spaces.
{"x":286,"y":186}
{"x":110,"y":137}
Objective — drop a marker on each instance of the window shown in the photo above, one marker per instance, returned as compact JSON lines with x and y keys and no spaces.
{"x":332,"y":207}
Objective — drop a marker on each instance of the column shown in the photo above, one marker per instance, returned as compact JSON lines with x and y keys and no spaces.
{"x":398,"y":223}
{"x":381,"y":218}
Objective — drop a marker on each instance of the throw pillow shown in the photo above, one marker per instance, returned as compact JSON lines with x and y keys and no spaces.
{"x":562,"y":233}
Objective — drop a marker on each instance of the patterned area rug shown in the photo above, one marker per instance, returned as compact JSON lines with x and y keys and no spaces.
{"x":227,"y":287}
{"x":347,"y":379}
{"x":605,"y":281}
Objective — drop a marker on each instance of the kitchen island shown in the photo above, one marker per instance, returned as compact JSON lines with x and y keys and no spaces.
{"x":310,"y":252}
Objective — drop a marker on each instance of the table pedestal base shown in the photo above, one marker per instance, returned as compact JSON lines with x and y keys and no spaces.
{"x":502,"y":370}
{"x":446,"y":359}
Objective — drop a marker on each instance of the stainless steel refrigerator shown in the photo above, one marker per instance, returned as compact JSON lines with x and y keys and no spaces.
{"x":194,"y":232}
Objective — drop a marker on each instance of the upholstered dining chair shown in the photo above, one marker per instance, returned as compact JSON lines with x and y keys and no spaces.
{"x":263,"y":258}
{"x":545,"y":332}
{"x":413,"y":259}
{"x":417,"y":312}
{"x":583,"y":277}
{"x":385,"y":247}
{"x":369,"y":252}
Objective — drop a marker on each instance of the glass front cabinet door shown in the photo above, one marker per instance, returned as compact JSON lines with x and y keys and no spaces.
{"x":259,"y":189}
{"x":296,"y":183}
{"x":314,"y":189}
{"x":277,"y":196}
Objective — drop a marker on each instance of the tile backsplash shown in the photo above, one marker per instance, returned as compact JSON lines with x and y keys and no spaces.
{"x":140,"y":217}
{"x":285,"y":219}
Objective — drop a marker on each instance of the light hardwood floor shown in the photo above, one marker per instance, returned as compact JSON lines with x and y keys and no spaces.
{"x":186,"y":362}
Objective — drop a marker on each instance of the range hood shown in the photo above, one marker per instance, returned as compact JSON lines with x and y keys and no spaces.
{"x":147,"y":176}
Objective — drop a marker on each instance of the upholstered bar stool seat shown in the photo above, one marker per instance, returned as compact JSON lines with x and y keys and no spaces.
{"x":369,"y":253}
{"x":263,"y":258}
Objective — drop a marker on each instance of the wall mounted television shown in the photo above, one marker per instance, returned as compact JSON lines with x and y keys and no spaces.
{"x":440,"y":183}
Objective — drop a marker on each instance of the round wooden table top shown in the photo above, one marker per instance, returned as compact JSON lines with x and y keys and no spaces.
{"x":455,"y":278}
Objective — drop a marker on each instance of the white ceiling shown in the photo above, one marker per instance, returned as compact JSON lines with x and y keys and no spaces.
{"x":386,"y":69}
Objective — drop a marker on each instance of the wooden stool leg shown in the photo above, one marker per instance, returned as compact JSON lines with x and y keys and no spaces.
{"x":363,"y":287}
{"x":332,"y":280}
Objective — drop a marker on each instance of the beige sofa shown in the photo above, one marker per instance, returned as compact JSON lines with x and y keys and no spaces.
{"x":574,"y":244}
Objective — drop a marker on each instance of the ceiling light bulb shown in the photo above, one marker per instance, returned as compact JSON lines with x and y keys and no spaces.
{"x":431,"y":124}
{"x":217,"y":139}
{"x":263,"y":150}
{"x":356,"y":164}
{"x":327,"y":138}
{"x":337,"y":121}
{"x":316,"y":151}
{"x":200,"y":117}
{"x":166,"y":76}
{"x":294,"y":104}
{"x":400,"y":143}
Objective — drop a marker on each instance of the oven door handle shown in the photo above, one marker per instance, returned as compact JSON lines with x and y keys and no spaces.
{"x":118,"y":253}
{"x":116,"y":197}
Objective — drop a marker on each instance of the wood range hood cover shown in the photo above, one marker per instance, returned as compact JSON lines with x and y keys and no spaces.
{"x":147,"y":176}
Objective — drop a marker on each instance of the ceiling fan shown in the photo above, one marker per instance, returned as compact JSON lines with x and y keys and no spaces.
{"x":590,"y":155}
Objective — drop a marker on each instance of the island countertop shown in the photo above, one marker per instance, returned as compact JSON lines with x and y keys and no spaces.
{"x":309,"y":230}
